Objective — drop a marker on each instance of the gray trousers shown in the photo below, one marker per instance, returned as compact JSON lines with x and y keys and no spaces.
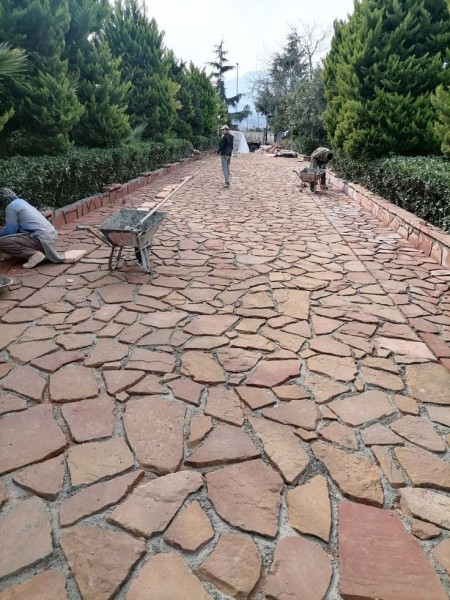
{"x":315,"y":164}
{"x":20,"y":245}
{"x":226,"y":160}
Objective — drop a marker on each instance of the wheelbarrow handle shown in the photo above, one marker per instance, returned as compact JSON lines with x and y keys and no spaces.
{"x":158,"y":206}
{"x":99,"y":236}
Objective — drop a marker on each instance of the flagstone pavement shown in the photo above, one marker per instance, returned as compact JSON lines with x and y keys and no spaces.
{"x":265,"y":415}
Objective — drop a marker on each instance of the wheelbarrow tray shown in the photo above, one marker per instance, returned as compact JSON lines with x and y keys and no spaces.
{"x":309,"y":174}
{"x":128,"y":227}
{"x":124,"y":228}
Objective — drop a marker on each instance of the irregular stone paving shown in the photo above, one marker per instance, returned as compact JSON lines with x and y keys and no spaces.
{"x":266,"y":415}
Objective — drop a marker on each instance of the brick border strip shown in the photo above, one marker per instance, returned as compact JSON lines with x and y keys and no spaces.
{"x":110,"y":193}
{"x":433,"y":242}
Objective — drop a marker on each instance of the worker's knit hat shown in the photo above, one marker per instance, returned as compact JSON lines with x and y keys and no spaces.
{"x":7,"y":195}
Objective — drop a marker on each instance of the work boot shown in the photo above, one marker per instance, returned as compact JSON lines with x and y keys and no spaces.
{"x":34,"y":260}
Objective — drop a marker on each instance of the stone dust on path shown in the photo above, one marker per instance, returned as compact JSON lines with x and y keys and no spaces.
{"x":265,"y":415}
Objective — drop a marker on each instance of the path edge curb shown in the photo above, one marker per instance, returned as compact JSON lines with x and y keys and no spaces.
{"x":431,"y":240}
{"x":110,"y":193}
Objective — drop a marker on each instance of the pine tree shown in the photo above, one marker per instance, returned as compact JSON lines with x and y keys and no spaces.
{"x":100,"y":89}
{"x":152,"y":96}
{"x":221,"y":67}
{"x":379,"y":75}
{"x":306,"y":105}
{"x":45,"y":103}
{"x":285,"y":70}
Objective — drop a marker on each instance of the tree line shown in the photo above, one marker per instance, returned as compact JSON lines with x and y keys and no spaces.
{"x":383,"y":88}
{"x":92,"y":74}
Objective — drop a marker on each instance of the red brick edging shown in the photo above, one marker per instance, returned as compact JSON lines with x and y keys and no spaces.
{"x":433,"y":242}
{"x":110,"y":193}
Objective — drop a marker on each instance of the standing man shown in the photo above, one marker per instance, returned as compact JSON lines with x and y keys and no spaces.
{"x":319,"y":160}
{"x":225,"y":150}
{"x":27,"y":234}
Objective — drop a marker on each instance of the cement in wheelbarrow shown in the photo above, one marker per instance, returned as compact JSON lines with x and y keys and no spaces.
{"x":128,"y":219}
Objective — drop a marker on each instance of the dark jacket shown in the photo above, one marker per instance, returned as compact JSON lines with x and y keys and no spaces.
{"x":226,"y":145}
{"x":320,"y":156}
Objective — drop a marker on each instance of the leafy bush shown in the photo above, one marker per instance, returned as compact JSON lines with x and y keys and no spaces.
{"x":55,"y":181}
{"x":418,"y":184}
{"x":306,"y":144}
{"x":201,"y":142}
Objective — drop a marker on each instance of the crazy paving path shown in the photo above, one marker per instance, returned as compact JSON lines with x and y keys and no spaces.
{"x":266,"y":415}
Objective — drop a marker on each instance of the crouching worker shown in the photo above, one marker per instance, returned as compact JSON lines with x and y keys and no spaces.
{"x":27,"y":234}
{"x":319,"y":160}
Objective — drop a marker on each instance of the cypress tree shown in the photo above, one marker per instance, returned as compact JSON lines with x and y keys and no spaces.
{"x":441,"y":102}
{"x":206,"y":104}
{"x":45,"y":103}
{"x":100,"y":89}
{"x":199,"y":105}
{"x":180,"y":75}
{"x":105,"y":122}
{"x":152,"y":96}
{"x":383,"y":66}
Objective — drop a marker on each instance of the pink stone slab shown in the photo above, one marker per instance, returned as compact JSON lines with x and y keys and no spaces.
{"x":380,"y":559}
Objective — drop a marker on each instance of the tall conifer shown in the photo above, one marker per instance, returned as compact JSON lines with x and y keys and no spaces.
{"x":138,"y":41}
{"x":383,"y":66}
{"x":100,"y":89}
{"x":45,"y":103}
{"x":206,"y":104}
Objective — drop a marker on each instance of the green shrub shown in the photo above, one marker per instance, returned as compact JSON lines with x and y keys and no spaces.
{"x":55,"y":181}
{"x":418,"y":184}
{"x":200,"y":142}
{"x":306,"y":144}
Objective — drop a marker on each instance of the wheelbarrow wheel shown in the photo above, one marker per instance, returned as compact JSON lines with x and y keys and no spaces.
{"x":312,"y":186}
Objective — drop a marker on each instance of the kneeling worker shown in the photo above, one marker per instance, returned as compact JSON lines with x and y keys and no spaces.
{"x":319,"y":160}
{"x":27,"y":234}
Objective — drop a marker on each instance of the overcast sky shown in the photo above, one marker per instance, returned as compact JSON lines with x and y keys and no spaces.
{"x":252,"y":29}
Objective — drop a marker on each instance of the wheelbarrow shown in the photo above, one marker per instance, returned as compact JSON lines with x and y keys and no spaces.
{"x":310,"y":175}
{"x":127,"y":228}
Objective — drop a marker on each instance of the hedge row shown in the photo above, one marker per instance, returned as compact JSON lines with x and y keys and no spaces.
{"x":420,"y":184}
{"x":55,"y":181}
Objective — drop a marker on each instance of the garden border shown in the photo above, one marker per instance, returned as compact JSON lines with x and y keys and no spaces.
{"x":109,"y":194}
{"x":431,"y":240}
